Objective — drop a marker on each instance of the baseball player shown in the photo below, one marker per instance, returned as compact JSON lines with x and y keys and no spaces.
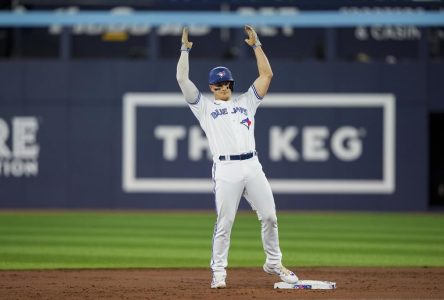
{"x":229,"y":126}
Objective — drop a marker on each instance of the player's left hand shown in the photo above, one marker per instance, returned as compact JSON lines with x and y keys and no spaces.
{"x":185,"y":42}
{"x":252,"y":40}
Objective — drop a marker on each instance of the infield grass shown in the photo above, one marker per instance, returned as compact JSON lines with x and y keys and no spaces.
{"x":42,"y":240}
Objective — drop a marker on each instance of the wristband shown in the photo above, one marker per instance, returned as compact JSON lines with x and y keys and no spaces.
{"x":184,"y":48}
{"x":257,"y":44}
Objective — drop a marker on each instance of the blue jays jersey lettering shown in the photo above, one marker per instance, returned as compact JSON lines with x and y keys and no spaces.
{"x":224,"y":111}
{"x":240,"y":110}
{"x":219,"y":112}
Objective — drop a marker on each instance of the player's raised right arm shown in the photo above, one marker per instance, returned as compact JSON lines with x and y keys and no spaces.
{"x":189,"y":90}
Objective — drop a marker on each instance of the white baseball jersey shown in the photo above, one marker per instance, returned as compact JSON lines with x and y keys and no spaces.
{"x":228,"y":125}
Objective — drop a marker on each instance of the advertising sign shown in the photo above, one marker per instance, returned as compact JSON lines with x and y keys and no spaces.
{"x":307,"y":143}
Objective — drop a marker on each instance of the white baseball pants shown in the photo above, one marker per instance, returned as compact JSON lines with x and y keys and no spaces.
{"x":232,"y":180}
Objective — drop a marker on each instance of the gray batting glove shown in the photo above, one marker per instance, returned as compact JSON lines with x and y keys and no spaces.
{"x":252,"y":40}
{"x":186,"y":45}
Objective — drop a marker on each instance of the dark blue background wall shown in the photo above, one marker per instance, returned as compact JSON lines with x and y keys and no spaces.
{"x":78,"y":106}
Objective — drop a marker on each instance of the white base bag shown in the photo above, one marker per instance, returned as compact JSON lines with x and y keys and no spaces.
{"x":307,"y":285}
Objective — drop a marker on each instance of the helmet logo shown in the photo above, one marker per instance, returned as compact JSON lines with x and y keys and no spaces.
{"x":221,"y":74}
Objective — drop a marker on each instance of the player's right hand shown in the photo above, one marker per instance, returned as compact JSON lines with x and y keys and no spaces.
{"x":185,"y":43}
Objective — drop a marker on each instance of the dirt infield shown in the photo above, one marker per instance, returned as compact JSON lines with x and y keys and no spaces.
{"x":352,"y":283}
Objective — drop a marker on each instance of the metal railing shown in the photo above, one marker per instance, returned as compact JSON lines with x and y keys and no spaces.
{"x":298,"y":19}
{"x":222,"y":19}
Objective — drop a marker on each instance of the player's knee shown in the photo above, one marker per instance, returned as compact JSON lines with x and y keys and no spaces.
{"x":225,"y":225}
{"x":269,"y":219}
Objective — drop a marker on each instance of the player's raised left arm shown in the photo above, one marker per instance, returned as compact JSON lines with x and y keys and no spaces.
{"x":262,"y":83}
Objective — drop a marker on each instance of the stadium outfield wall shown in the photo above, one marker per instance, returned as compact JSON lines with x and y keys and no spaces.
{"x":116,"y":134}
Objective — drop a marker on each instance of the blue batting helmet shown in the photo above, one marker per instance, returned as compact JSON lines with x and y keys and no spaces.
{"x":220,"y":74}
